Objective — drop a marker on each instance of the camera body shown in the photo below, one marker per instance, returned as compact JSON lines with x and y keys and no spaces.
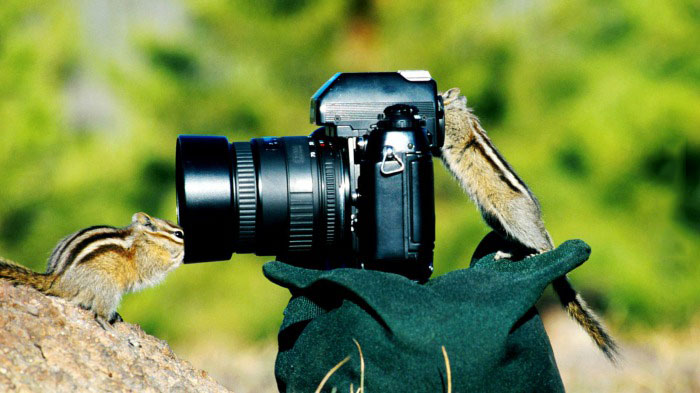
{"x":357,"y":192}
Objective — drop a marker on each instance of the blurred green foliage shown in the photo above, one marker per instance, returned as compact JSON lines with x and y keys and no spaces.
{"x":595,"y":103}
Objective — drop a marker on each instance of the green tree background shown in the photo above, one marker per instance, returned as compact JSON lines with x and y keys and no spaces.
{"x":595,"y":103}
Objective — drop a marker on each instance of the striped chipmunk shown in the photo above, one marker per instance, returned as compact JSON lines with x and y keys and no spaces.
{"x":95,"y":266}
{"x":506,"y":203}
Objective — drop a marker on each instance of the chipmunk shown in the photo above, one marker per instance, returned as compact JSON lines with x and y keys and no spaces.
{"x":94,"y":267}
{"x":506,"y":203}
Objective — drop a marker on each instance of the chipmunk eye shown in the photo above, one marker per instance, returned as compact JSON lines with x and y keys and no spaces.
{"x":179,"y":234}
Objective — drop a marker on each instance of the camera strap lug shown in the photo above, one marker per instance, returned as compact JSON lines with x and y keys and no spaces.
{"x":388,"y":154}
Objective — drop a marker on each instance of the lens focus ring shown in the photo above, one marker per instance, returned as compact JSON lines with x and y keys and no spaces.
{"x":246,"y":191}
{"x":331,"y":189}
{"x":301,"y":216}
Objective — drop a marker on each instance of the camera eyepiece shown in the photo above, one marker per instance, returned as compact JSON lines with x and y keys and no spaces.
{"x":400,"y":116}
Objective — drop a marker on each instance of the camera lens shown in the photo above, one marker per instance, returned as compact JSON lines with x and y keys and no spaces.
{"x":287,"y":197}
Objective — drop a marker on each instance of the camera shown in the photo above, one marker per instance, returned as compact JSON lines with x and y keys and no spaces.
{"x":356,"y":192}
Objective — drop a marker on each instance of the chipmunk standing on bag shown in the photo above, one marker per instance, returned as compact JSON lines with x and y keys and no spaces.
{"x":94,"y":267}
{"x":506,"y":203}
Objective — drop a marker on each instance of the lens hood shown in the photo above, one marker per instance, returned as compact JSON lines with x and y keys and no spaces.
{"x":204,"y":197}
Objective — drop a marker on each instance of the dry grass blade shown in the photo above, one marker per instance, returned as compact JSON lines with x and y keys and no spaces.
{"x":362,"y":368}
{"x":447,"y":367}
{"x":330,"y":372}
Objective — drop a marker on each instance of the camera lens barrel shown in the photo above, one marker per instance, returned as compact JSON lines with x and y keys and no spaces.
{"x":271,"y":196}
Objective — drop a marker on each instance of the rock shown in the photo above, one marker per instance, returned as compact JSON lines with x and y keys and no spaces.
{"x":48,"y":344}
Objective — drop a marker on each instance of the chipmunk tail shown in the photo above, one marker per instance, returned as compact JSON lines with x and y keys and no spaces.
{"x":19,"y":274}
{"x":577,"y":308}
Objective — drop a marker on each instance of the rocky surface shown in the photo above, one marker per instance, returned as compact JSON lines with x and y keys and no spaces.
{"x":48,"y":344}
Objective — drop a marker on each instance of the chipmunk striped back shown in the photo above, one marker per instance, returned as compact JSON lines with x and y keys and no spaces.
{"x":84,"y":244}
{"x":504,"y":200}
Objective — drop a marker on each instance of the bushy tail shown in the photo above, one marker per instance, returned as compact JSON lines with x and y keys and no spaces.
{"x":579,"y":311}
{"x":19,"y":274}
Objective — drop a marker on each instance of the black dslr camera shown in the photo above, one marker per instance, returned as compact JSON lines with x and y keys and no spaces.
{"x":357,"y":192}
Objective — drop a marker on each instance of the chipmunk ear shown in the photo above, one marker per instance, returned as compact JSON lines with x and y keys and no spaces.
{"x":452,"y":98}
{"x":142,"y":218}
{"x":450,"y":95}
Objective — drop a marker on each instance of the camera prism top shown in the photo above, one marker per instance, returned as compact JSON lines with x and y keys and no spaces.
{"x":352,"y":103}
